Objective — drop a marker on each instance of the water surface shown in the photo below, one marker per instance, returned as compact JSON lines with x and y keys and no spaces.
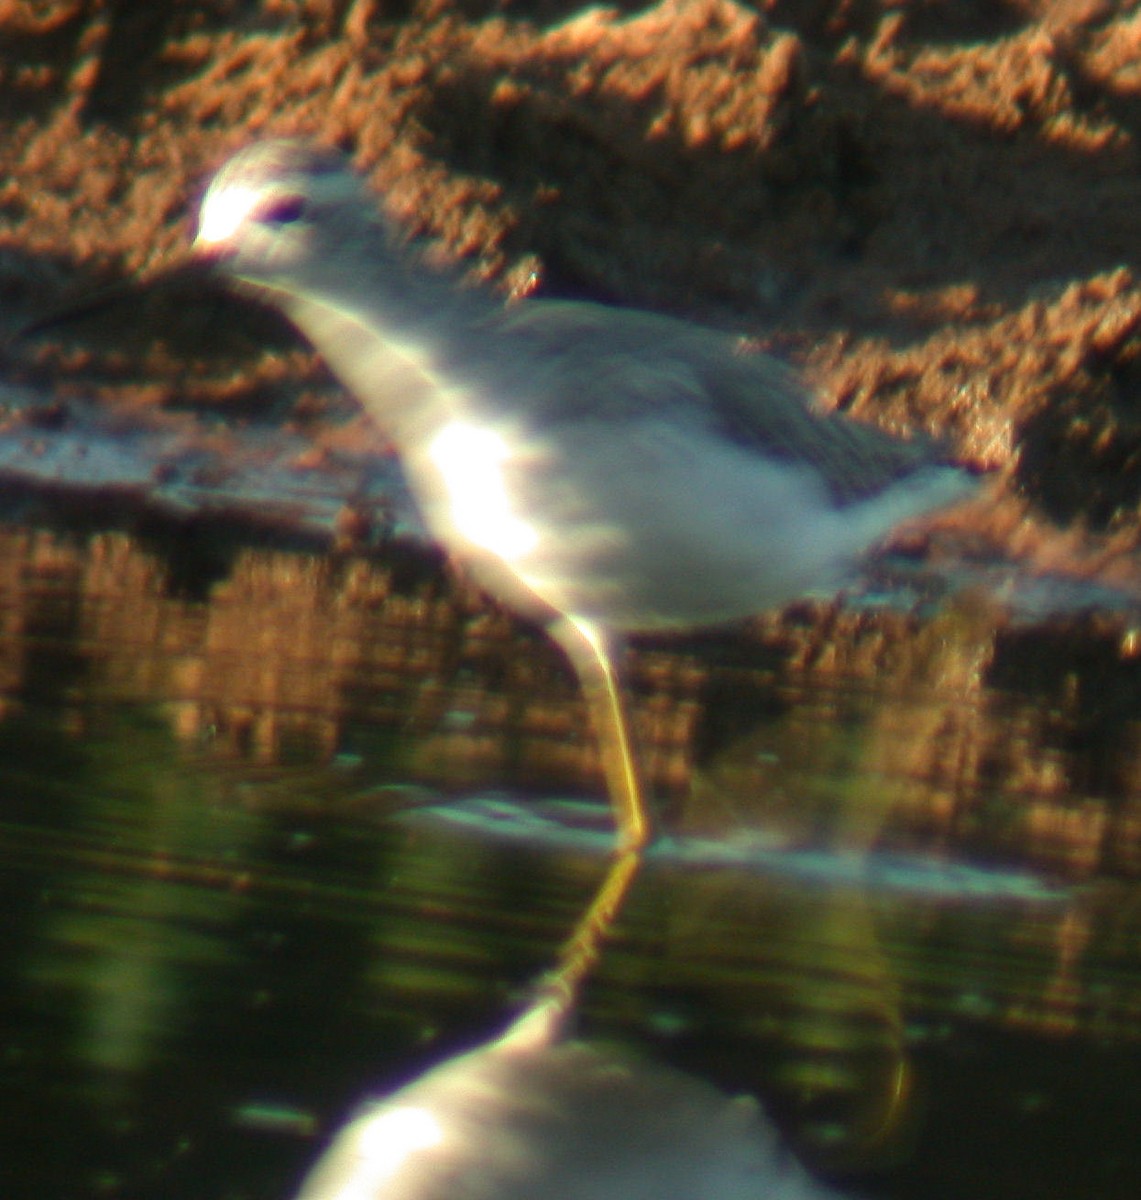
{"x":291,"y":829}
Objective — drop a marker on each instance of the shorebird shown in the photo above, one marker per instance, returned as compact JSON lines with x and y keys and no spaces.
{"x":601,"y":470}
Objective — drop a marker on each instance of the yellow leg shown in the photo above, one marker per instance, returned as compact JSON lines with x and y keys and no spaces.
{"x":556,"y":994}
{"x":591,"y":657}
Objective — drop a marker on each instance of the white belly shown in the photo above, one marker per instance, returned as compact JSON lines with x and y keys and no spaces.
{"x":644,"y":526}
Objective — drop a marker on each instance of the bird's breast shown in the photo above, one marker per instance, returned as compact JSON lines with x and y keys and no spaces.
{"x":476,"y":499}
{"x":520,"y":507}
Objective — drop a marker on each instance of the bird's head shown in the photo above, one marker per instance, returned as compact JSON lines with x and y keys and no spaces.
{"x":278,"y":208}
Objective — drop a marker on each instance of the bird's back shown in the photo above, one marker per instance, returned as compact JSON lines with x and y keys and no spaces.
{"x":587,"y":362}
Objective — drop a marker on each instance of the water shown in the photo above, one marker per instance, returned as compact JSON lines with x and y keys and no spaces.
{"x":279,"y":830}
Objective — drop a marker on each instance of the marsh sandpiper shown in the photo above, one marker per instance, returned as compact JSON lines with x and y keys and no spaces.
{"x":601,"y":470}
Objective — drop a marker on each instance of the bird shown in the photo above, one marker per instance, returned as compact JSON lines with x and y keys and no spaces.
{"x":603,"y":471}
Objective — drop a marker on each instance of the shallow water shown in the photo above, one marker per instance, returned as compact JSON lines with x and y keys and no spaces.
{"x":278,"y":831}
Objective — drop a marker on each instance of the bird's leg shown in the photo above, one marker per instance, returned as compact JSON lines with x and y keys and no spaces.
{"x":557,"y":992}
{"x":591,"y":655}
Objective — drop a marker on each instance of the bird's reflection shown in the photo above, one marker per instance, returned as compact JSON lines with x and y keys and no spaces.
{"x":536,"y":1115}
{"x":534,"y":1112}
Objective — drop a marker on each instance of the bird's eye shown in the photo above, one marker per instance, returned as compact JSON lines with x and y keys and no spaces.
{"x":283,"y":211}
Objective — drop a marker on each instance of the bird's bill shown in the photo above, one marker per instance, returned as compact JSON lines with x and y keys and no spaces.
{"x":191,"y":273}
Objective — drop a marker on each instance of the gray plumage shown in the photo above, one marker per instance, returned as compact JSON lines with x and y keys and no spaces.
{"x":603,"y":471}
{"x":567,"y":382}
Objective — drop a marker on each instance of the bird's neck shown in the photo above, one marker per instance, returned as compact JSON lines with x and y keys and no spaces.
{"x":391,"y":345}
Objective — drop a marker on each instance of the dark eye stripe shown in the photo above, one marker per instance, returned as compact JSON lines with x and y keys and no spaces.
{"x":282,"y":211}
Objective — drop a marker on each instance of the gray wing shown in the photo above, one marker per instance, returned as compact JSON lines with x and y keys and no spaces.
{"x":586,"y":361}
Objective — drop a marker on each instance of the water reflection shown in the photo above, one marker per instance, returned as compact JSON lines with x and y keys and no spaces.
{"x":123,"y":925}
{"x":533,"y":1112}
{"x":529,"y":1114}
{"x":227,"y":910}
